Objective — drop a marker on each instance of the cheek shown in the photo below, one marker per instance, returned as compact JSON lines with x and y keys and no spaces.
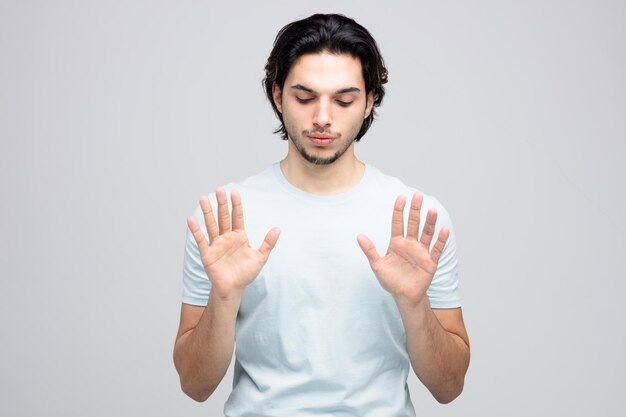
{"x":295,"y":112}
{"x":293,"y":118}
{"x":356,"y":113}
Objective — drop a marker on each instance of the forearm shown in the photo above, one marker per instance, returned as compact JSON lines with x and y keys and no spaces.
{"x":439,"y":358}
{"x":203,"y":354}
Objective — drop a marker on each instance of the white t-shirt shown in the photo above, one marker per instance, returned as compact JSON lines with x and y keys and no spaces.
{"x":316,"y":334}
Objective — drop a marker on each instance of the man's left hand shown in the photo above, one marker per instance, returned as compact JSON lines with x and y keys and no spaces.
{"x":408,"y":267}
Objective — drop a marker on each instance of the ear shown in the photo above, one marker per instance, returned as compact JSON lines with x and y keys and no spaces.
{"x":369,"y":104}
{"x":278,"y":97}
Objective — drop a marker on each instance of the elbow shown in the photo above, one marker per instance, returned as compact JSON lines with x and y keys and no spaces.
{"x":195,"y":394}
{"x":448,"y":389}
{"x":189,"y":383}
{"x":191,"y":386}
{"x":448,"y":395}
{"x":199,"y":397}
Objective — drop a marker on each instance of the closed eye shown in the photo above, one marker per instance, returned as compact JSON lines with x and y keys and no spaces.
{"x":308,"y":100}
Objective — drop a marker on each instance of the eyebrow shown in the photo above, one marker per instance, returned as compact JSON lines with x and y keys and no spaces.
{"x":342,"y":91}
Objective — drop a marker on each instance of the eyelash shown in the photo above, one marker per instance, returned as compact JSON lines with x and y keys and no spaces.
{"x":306,"y":100}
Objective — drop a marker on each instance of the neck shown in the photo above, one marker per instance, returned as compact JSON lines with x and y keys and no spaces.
{"x":336,"y":178}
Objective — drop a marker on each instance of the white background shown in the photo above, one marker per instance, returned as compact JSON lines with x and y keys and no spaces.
{"x":116,"y":116}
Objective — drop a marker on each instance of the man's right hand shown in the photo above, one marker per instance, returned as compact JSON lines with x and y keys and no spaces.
{"x":228,"y":260}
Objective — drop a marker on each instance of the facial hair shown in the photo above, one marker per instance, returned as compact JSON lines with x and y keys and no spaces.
{"x":297,"y":139}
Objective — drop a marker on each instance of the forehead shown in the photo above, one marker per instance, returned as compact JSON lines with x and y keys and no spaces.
{"x":325,"y":71}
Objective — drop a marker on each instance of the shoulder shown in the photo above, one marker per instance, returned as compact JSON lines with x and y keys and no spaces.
{"x":394,"y":187}
{"x":251,"y":189}
{"x":257,"y":182}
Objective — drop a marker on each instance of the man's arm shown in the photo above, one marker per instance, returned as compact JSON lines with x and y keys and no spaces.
{"x":438,"y":348}
{"x":437,"y":341}
{"x":206,"y":335}
{"x":204,"y":345}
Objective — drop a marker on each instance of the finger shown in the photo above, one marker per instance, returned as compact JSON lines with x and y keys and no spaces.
{"x":429,"y":227}
{"x":197,"y":235}
{"x":209,"y":220}
{"x":413,"y":227}
{"x":441,"y":242}
{"x":237,"y":210}
{"x":269,"y":242}
{"x":223,"y":215}
{"x":397,"y":220}
{"x":368,"y":248}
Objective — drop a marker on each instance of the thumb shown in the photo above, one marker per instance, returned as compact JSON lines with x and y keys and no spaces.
{"x":368,"y":248}
{"x":269,"y":242}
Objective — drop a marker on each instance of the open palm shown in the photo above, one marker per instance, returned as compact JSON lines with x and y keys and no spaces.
{"x":228,"y":260}
{"x":408,"y":267}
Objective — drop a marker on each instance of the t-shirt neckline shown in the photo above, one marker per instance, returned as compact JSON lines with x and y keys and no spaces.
{"x":320,"y":198}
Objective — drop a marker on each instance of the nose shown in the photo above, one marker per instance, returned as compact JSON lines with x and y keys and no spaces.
{"x":322,"y":116}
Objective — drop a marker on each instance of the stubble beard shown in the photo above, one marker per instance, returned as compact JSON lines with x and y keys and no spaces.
{"x":297,"y":140}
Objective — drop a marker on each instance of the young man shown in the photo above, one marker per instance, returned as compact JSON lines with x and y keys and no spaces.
{"x":324,"y":324}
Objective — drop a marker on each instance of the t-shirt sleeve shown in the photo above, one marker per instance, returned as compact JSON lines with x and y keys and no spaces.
{"x":196,"y":284}
{"x":444,"y":288}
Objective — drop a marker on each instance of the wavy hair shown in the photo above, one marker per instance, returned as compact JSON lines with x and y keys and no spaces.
{"x":318,"y":33}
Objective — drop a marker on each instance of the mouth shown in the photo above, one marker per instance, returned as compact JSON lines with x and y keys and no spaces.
{"x":321,"y":140}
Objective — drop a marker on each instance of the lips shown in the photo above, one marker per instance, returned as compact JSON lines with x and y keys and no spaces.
{"x":321,"y":140}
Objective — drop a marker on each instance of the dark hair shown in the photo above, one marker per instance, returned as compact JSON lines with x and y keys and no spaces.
{"x":336,"y":34}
